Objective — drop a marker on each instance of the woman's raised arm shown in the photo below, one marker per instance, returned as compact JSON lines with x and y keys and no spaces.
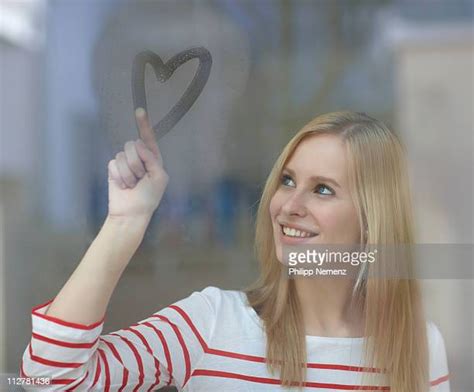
{"x":137,"y":182}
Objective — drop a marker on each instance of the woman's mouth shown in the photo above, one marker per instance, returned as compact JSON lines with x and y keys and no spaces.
{"x":296,"y":233}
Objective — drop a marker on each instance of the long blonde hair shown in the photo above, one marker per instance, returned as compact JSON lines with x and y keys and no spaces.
{"x":392,"y":308}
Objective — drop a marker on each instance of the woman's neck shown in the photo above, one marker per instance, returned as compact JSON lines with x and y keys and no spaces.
{"x":327,"y":307}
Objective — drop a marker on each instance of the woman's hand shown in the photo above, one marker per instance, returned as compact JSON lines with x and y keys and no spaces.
{"x":137,"y":179}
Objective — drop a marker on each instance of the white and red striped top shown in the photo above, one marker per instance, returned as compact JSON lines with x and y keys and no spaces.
{"x":209,"y":341}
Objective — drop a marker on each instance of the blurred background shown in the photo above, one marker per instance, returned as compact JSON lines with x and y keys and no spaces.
{"x":66,"y":110}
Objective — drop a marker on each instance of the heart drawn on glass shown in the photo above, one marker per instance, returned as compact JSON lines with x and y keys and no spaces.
{"x":163,"y":72}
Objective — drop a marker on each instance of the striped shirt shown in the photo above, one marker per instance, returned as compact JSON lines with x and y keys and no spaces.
{"x":210,"y":341}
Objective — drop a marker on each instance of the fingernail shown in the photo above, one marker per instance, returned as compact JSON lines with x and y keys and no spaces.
{"x":139,"y":112}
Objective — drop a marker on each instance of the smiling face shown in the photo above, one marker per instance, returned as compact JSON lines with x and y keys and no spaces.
{"x":312,"y":204}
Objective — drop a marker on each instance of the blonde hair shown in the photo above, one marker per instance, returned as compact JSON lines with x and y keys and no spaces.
{"x":392,"y":308}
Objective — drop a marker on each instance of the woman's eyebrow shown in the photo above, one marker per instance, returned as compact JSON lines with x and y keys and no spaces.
{"x":314,"y":178}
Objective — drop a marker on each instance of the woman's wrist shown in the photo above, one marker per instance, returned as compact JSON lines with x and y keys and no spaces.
{"x":118,"y":240}
{"x":128,"y":223}
{"x":126,"y":231}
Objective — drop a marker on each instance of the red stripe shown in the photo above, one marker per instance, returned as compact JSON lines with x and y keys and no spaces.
{"x":188,"y":320}
{"x":155,"y":360}
{"x":48,"y":362}
{"x":35,"y":311}
{"x":265,"y":380}
{"x":119,"y":358}
{"x":137,"y":358}
{"x":63,"y":343}
{"x":97,"y":371}
{"x":217,"y":373}
{"x":62,"y":381}
{"x":80,"y":382}
{"x":244,"y":357}
{"x":22,"y":372}
{"x":255,"y":358}
{"x":187,"y":359}
{"x":107,"y":371}
{"x":439,"y":380}
{"x":347,"y":368}
{"x":344,"y":387}
{"x":169,"y":364}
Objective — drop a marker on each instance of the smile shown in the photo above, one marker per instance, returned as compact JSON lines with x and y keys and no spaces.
{"x":291,"y":232}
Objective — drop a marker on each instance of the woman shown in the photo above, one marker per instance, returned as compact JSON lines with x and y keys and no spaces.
{"x":340,"y":180}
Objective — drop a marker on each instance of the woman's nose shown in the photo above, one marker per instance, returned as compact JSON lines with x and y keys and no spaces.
{"x":294,"y":205}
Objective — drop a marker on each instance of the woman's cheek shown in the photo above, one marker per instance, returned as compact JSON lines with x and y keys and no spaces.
{"x":274,"y":205}
{"x":343,"y":221}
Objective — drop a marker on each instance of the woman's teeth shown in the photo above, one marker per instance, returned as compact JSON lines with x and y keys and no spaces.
{"x":290,"y":232}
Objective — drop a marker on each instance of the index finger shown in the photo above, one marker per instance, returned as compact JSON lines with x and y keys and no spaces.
{"x":146,"y":131}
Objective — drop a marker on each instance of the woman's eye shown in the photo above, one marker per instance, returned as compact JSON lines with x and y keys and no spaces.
{"x":321,"y":189}
{"x":287,"y":180}
{"x":328,"y":191}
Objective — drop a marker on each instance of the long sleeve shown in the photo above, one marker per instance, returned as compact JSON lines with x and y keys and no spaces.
{"x":160,"y":350}
{"x":439,"y":371}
